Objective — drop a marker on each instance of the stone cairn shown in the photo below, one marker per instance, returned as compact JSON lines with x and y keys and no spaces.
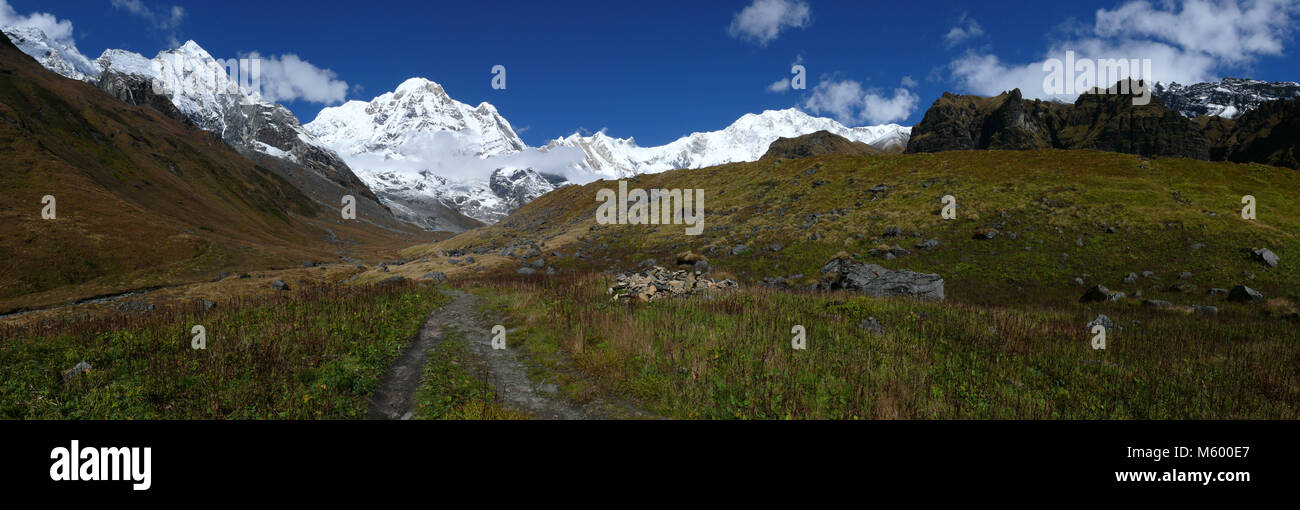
{"x":657,"y":283}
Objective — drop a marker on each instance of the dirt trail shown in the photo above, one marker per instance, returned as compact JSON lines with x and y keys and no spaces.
{"x":506,"y":372}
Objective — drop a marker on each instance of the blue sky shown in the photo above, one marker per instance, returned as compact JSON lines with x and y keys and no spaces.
{"x":659,"y":70}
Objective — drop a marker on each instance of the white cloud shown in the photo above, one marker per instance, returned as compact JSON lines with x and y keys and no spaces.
{"x":966,"y":28}
{"x":1194,"y":41}
{"x":1229,"y":30}
{"x":909,"y":83}
{"x":167,"y":19}
{"x":848,"y":102}
{"x":287,"y":78}
{"x":780,"y":85}
{"x":784,"y":84}
{"x":878,"y":109}
{"x":135,"y":7}
{"x":54,"y":28}
{"x":839,"y":99}
{"x":762,"y":21}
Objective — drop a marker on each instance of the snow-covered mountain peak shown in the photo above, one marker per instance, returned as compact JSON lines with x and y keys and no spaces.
{"x":419,"y":113}
{"x":61,"y":58}
{"x":193,"y":49}
{"x":420,"y":85}
{"x":200,"y":86}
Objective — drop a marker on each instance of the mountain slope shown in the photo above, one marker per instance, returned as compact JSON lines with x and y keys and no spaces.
{"x":142,"y":199}
{"x":1055,"y":215}
{"x":188,"y":83}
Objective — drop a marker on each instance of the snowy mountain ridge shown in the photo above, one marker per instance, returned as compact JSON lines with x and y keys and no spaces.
{"x":418,"y":143}
{"x":1229,"y":98}
{"x":60,"y":58}
{"x":747,"y":139}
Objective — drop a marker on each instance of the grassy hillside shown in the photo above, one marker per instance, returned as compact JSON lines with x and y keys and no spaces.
{"x":1060,"y":215}
{"x":142,"y":200}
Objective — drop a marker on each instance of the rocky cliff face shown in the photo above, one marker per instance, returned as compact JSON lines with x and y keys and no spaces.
{"x":519,"y":186}
{"x":1268,"y":134}
{"x":1006,"y":121}
{"x":1106,"y":122}
{"x":138,"y":90}
{"x":1110,"y":122}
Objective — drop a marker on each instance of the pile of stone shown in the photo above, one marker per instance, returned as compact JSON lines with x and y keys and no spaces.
{"x":841,"y":273}
{"x":657,"y":283}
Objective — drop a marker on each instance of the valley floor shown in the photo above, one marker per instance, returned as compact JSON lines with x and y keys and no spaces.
{"x":323,"y":352}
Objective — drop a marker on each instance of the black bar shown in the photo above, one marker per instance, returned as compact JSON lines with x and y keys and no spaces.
{"x":324,"y":459}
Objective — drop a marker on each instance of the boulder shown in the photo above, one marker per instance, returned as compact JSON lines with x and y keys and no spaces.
{"x":279,"y":285}
{"x":985,"y":233}
{"x":1156,"y":303}
{"x":689,"y":258}
{"x":436,"y":276}
{"x":1267,"y":257}
{"x":135,"y":306}
{"x":78,"y":369}
{"x":1104,"y":322}
{"x":1244,"y":294}
{"x":877,"y":281}
{"x":1096,"y":294}
{"x":871,"y":325}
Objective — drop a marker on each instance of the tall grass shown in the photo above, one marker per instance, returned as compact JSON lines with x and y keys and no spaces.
{"x":729,"y":356}
{"x":315,"y":353}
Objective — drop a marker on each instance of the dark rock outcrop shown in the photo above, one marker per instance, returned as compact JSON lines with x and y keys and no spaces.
{"x":1108,"y":122}
{"x":816,"y":144}
{"x":1268,"y":134}
{"x":842,"y":273}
